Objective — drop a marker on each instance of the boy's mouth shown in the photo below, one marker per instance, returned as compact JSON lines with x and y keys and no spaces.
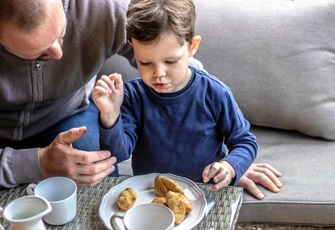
{"x":159,"y":85}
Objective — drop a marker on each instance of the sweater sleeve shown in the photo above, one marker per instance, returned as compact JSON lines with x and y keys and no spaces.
{"x":122,"y":138}
{"x":18,"y":167}
{"x":241,"y":143}
{"x":117,"y":140}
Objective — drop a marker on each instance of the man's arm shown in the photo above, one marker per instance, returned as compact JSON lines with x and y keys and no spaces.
{"x":85,"y":168}
{"x":18,"y":166}
{"x":58,"y":159}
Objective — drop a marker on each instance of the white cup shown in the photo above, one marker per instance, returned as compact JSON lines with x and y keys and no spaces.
{"x":61,"y":192}
{"x":26,"y":213}
{"x":145,"y":216}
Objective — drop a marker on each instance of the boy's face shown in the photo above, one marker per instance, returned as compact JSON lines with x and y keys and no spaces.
{"x":163,"y":65}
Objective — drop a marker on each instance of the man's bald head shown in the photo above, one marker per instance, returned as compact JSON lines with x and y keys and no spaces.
{"x":32,"y":29}
{"x":24,"y":15}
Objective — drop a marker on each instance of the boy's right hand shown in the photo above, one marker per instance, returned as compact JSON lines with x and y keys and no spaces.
{"x":221,"y":173}
{"x":108,"y":97}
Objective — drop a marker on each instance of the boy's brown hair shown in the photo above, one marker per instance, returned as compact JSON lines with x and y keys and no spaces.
{"x":148,"y":19}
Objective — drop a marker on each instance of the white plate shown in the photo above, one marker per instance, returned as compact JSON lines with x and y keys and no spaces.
{"x":143,"y":185}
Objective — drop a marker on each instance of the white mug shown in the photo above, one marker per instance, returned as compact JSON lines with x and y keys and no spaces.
{"x":26,"y":213}
{"x":148,"y":216}
{"x":61,"y":192}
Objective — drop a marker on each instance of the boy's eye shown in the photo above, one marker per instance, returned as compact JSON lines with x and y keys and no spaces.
{"x":145,"y":63}
{"x":171,"y":62}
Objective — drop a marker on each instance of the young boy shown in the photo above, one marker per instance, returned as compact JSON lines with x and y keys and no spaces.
{"x":174,"y":119}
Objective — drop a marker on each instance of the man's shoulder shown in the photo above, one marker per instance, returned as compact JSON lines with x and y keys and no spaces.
{"x":100,"y":8}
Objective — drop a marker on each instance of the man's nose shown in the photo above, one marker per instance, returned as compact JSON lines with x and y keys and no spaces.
{"x":55,"y":51}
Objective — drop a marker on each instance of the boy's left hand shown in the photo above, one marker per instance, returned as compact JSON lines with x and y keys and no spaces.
{"x":221,"y":173}
{"x":108,"y":97}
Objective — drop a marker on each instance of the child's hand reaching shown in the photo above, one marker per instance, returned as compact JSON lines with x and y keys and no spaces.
{"x":221,"y":172}
{"x":108,"y":97}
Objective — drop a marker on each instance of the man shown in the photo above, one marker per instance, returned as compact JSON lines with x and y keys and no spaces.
{"x":51,"y":51}
{"x":46,"y":80}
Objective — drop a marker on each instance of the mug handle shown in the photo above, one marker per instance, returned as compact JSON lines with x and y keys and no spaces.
{"x":113,"y":220}
{"x":31,"y":189}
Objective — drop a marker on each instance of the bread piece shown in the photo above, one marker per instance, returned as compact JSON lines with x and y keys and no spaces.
{"x":162,"y":185}
{"x":176,"y":205}
{"x":127,"y":199}
{"x":159,"y":200}
{"x":187,"y":203}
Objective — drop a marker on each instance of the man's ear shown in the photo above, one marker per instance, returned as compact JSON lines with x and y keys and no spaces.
{"x":194,"y":45}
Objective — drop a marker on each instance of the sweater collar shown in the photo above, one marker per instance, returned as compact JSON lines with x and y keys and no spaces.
{"x":178,"y":96}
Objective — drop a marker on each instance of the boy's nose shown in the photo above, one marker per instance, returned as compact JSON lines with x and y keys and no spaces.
{"x":159,"y":72}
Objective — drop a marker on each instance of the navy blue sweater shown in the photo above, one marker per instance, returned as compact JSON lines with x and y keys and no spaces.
{"x":181,"y":133}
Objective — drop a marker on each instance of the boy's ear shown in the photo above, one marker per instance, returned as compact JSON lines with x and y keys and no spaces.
{"x":194,"y":45}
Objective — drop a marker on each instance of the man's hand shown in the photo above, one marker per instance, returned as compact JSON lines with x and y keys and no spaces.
{"x":263,"y":174}
{"x":85,"y":168}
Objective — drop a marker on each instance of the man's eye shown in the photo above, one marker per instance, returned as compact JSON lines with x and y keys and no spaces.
{"x":60,"y":41}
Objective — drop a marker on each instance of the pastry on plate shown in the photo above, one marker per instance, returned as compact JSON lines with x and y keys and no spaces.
{"x":176,"y":205}
{"x":162,"y":185}
{"x":127,"y":199}
{"x":159,"y":200}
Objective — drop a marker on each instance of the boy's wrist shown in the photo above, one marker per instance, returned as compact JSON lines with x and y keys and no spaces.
{"x":107,"y":121}
{"x":229,"y":167}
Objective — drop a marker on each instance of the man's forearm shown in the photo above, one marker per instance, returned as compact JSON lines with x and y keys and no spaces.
{"x":18,"y":167}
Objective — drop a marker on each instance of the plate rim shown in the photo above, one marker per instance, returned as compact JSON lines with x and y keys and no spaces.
{"x":152,"y":175}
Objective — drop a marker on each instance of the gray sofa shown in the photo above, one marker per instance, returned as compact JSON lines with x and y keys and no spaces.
{"x":278,"y":57}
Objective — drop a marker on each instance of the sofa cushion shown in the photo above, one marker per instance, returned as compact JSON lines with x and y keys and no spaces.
{"x":277,"y":57}
{"x":307,"y":165}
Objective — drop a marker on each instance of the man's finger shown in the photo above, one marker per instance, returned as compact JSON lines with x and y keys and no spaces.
{"x":70,"y":136}
{"x":82,"y":157}
{"x":91,"y":180}
{"x":95,"y":166}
